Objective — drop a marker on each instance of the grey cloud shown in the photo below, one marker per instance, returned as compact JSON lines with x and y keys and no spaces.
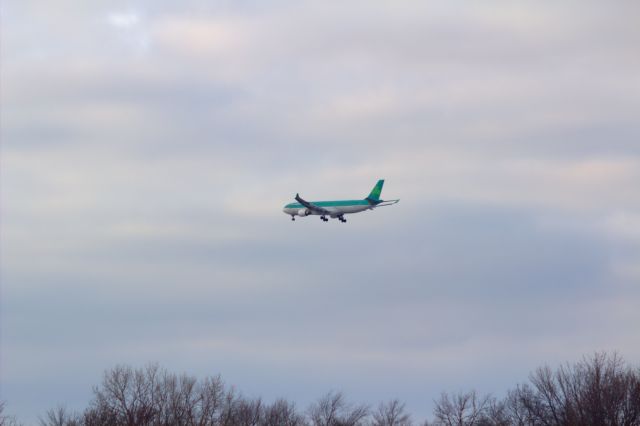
{"x":142,"y":186}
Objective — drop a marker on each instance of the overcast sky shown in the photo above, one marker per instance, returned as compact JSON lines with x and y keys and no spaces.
{"x":148,"y":148}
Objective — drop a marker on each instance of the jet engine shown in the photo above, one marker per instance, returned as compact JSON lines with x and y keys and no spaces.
{"x":304,"y":212}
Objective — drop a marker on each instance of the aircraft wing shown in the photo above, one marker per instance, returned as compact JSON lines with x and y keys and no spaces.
{"x":311,"y":206}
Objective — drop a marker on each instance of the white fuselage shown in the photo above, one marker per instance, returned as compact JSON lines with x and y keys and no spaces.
{"x":335,"y":211}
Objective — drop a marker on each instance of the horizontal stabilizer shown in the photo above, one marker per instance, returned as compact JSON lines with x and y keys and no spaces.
{"x":387,"y":203}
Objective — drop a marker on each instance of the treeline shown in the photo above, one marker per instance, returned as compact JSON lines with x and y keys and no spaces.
{"x":599,"y":390}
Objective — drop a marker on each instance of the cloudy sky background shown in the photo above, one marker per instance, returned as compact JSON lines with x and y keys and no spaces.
{"x":148,"y":148}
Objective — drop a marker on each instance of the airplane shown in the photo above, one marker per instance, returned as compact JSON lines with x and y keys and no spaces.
{"x":337,"y":209}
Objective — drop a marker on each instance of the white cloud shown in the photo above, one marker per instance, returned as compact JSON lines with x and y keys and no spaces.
{"x":624,"y":225}
{"x":202,"y":36}
{"x":124,"y":20}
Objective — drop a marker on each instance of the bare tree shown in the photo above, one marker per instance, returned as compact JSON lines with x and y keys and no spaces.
{"x":495,"y":414}
{"x":333,"y":410}
{"x":228,"y":409}
{"x":282,"y":413}
{"x":212,"y":397}
{"x":391,"y":413}
{"x":152,"y":396}
{"x":127,"y":395}
{"x":247,"y":412}
{"x":462,"y":409}
{"x":60,"y":416}
{"x":600,"y":390}
{"x":6,"y":420}
{"x":516,"y":406}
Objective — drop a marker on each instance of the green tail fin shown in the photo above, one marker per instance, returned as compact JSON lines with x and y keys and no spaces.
{"x":374,"y":196}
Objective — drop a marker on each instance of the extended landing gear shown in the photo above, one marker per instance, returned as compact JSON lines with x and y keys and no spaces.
{"x":342,"y":219}
{"x":324,"y":219}
{"x":293,"y":217}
